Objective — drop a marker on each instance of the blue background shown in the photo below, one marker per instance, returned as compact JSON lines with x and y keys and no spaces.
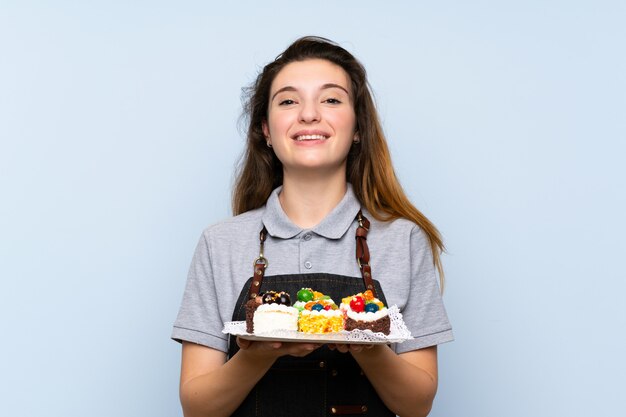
{"x":118,"y":128}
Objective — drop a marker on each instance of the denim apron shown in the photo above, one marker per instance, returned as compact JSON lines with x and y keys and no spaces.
{"x":325,"y":382}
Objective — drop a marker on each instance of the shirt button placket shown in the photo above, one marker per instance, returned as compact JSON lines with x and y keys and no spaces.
{"x":306,"y":237}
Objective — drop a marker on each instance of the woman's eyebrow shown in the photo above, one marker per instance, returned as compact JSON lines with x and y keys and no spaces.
{"x":323,"y":87}
{"x":333,"y":85}
{"x":286,"y":88}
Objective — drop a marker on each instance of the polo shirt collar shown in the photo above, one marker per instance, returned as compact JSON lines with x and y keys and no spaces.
{"x":333,"y":226}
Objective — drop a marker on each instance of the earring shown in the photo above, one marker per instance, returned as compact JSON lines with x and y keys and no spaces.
{"x":269,"y":145}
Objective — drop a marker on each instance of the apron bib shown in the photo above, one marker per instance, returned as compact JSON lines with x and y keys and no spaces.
{"x":325,"y":382}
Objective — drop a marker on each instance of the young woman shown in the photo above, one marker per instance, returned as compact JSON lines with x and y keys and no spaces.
{"x":316,"y":165}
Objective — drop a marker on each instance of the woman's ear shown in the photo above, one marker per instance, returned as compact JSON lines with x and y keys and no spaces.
{"x":266,"y":130}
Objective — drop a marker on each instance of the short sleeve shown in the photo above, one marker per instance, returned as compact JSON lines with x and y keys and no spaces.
{"x":424,"y":312}
{"x":198,"y":318}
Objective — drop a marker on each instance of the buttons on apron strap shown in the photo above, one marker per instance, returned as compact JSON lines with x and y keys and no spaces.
{"x":348,"y":409}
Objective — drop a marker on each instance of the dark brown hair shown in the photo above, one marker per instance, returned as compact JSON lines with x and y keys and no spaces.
{"x":369,"y":167}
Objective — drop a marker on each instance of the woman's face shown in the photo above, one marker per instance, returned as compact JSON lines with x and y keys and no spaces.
{"x":311,"y":121}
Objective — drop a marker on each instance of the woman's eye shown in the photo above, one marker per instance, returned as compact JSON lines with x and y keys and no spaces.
{"x":286,"y":102}
{"x":332,"y":101}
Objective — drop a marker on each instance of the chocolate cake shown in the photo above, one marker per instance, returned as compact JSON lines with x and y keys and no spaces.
{"x":363,"y":311}
{"x":382,"y":325}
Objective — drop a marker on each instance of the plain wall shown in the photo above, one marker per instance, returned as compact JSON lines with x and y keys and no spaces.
{"x":118,"y":130}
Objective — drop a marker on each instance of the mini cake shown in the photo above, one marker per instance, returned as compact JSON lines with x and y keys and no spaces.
{"x":318,"y":312}
{"x":271,"y":311}
{"x":365,"y":312}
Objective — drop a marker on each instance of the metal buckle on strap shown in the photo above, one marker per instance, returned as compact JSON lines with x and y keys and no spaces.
{"x":359,"y":218}
{"x":261,"y":260}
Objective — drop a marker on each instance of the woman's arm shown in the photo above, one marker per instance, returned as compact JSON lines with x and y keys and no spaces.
{"x":406,"y":383}
{"x":210,"y":386}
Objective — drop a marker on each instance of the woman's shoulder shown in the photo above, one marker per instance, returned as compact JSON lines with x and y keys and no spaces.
{"x":395,"y":226}
{"x":397,"y":234}
{"x":250,"y":221}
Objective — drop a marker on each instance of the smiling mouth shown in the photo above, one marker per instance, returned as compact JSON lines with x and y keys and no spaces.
{"x":310,"y":137}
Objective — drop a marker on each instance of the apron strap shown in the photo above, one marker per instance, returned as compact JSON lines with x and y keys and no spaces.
{"x":260,"y":265}
{"x":363,"y":252}
{"x":362,"y":258}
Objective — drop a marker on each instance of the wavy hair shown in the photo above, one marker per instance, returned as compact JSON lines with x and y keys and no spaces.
{"x":369,"y":168}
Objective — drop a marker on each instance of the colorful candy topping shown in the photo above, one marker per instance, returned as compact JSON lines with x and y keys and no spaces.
{"x":357,"y":304}
{"x":363,"y":302}
{"x":314,"y":301}
{"x":305,"y":295}
{"x":371,"y":308}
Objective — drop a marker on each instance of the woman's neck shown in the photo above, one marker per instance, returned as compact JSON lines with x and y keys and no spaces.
{"x":307,"y":199}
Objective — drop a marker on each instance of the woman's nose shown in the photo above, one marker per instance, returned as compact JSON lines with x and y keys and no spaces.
{"x":309,"y":112}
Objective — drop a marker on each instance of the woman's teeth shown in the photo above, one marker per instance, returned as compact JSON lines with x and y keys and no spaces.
{"x":311,"y":137}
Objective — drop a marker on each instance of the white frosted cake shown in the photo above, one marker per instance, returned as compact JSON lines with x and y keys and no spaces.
{"x":271,"y":311}
{"x":270,"y":317}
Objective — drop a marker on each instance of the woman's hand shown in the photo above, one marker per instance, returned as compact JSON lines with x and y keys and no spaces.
{"x":344,"y":348}
{"x":276,"y":349}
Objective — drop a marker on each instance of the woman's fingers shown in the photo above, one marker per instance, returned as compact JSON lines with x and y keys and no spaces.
{"x":243,"y":343}
{"x":296,"y":349}
{"x":301,"y":349}
{"x":277,"y":349}
{"x":344,"y":348}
